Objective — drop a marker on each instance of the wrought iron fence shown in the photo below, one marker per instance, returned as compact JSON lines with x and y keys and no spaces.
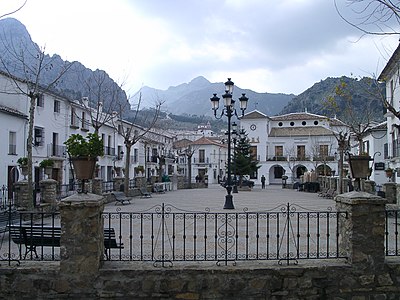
{"x":107,"y":186}
{"x":30,"y":236}
{"x":5,"y":200}
{"x":164,"y":234}
{"x":392,"y":227}
{"x":66,"y":190}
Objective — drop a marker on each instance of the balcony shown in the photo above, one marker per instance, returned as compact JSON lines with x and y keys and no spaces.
{"x":109,"y":151}
{"x":56,"y":150}
{"x":12,"y":149}
{"x":276,"y":158}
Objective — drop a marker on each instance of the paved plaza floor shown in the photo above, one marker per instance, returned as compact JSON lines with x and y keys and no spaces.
{"x":213,"y":198}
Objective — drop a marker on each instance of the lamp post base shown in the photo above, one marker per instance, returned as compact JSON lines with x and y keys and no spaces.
{"x":235,"y":190}
{"x":229,"y":202}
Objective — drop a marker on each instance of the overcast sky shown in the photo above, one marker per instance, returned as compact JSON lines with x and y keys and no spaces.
{"x":276,"y":46}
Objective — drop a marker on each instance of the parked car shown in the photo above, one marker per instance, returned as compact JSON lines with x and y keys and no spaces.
{"x":245,"y":182}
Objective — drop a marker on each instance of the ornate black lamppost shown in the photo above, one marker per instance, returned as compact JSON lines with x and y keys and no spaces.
{"x":229,"y":111}
{"x":234,"y":135}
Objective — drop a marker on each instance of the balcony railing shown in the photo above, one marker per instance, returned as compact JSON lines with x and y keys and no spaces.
{"x":277,"y":158}
{"x":12,"y":149}
{"x":109,"y":151}
{"x":56,"y":150}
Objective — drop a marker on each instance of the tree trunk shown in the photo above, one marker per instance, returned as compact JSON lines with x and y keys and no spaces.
{"x":29,"y":149}
{"x":128,"y":147}
{"x":189,"y":157}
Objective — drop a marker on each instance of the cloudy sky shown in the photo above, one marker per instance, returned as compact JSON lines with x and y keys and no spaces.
{"x":276,"y":46}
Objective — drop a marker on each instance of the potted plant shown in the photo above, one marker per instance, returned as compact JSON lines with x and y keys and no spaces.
{"x":83,"y":153}
{"x":359,"y":165}
{"x":23,"y":165}
{"x":47,"y":165}
{"x":139,"y":170}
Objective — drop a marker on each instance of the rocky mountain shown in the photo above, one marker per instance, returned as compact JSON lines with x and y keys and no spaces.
{"x":19,"y":56}
{"x":363,"y":93}
{"x":193,"y":98}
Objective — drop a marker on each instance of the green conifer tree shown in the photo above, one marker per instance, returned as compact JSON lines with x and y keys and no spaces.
{"x":244,"y":161}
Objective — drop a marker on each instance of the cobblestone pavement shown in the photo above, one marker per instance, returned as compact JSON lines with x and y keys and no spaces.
{"x":213,"y":198}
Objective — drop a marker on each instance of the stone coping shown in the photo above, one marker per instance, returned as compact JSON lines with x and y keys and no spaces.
{"x":84,"y":199}
{"x":359,"y":198}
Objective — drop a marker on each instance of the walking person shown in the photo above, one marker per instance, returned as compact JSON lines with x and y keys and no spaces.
{"x":263,"y":182}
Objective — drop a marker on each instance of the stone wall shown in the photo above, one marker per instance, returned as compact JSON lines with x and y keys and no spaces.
{"x":82,"y":274}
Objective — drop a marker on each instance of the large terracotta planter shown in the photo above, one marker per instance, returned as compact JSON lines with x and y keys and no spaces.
{"x":84,"y":167}
{"x":359,"y":166}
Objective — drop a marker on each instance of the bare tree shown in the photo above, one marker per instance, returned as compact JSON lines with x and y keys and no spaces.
{"x":373,"y":17}
{"x":36,"y":67}
{"x":133,"y":133}
{"x":344,"y":101}
{"x":105,"y":99}
{"x":14,"y":11}
{"x":321,"y":154}
{"x":384,"y":15}
{"x":292,"y":160}
{"x":187,"y":149}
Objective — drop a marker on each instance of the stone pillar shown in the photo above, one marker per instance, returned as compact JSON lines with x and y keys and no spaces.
{"x":82,"y":246}
{"x":48,"y":191}
{"x":174,"y":182}
{"x":362,"y":233}
{"x":181,"y":182}
{"x":390,"y":192}
{"x":345,"y":184}
{"x":369,"y":186}
{"x":23,"y":200}
{"x":97,"y":186}
{"x":117,"y":183}
{"x":140,"y":181}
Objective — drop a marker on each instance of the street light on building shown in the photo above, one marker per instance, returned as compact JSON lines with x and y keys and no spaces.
{"x":229,"y":111}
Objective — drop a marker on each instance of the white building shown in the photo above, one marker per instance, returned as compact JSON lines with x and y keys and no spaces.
{"x":390,"y":75}
{"x":56,"y":118}
{"x":292,"y":144}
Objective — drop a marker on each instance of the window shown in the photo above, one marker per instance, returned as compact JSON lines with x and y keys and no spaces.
{"x":84,"y":123}
{"x":291,"y":123}
{"x":280,"y":124}
{"x":278,"y":150}
{"x":74,"y":118}
{"x":40,"y":100}
{"x":135,"y":155}
{"x":366,"y":147}
{"x":56,"y":106}
{"x":12,"y":142}
{"x":323,"y":150}
{"x":301,"y":152}
{"x":38,"y":136}
{"x":56,"y":150}
{"x":391,"y":92}
{"x":202,"y":155}
{"x":253,"y":152}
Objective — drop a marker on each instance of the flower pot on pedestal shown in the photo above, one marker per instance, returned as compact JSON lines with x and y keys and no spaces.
{"x":84,"y":167}
{"x":359,"y":166}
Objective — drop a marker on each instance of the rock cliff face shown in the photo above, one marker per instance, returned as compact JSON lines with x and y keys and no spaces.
{"x":364,"y":94}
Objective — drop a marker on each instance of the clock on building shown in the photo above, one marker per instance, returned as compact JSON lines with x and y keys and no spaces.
{"x":253,"y":126}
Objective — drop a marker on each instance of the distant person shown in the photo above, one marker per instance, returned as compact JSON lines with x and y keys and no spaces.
{"x":263,"y":182}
